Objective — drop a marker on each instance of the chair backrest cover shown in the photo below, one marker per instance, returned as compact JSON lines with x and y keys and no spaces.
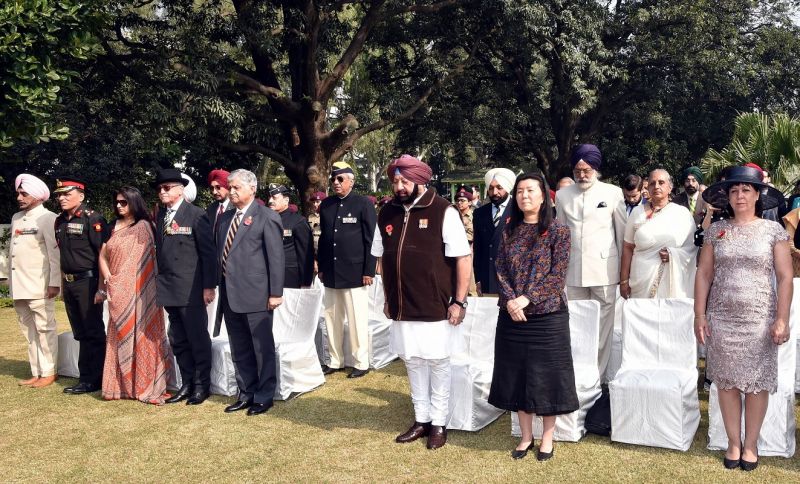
{"x":658,"y":333}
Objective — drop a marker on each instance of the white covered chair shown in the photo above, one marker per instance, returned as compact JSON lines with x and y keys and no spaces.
{"x":380,"y":331}
{"x":615,"y":360}
{"x":654,"y":398}
{"x":584,"y":326}
{"x":472,"y":362}
{"x":777,"y":436}
{"x":69,"y":349}
{"x":297,"y":366}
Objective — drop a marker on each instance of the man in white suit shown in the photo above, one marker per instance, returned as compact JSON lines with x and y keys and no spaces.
{"x":595,"y":214}
{"x":35,"y":277}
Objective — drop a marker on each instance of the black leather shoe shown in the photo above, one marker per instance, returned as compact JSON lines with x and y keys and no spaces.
{"x":82,"y":388}
{"x":519,"y":454}
{"x":327,"y":370}
{"x":182,"y":394}
{"x":356,"y":373}
{"x":730,"y":463}
{"x":198,"y":397}
{"x":240,"y":405}
{"x":258,"y":408}
{"x":543,"y":456}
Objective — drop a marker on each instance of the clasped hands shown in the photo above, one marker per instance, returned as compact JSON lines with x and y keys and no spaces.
{"x":516,"y":306}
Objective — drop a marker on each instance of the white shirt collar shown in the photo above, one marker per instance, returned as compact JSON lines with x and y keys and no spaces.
{"x":175,"y":207}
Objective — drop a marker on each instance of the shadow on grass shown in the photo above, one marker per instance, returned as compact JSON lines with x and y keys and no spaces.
{"x":17,"y":368}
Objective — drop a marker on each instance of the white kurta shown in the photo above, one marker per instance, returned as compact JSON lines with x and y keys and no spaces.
{"x":432,"y":340}
{"x":671,"y":228}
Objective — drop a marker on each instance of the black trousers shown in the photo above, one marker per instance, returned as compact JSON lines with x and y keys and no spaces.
{"x":86,"y":319}
{"x":252,"y":351}
{"x":191,"y":343}
{"x":291,"y":278}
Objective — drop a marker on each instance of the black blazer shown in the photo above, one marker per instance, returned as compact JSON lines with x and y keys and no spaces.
{"x":211,"y":211}
{"x":486,"y":241}
{"x":298,"y":249}
{"x":255,"y":266}
{"x":345,"y":244}
{"x":186,"y":263}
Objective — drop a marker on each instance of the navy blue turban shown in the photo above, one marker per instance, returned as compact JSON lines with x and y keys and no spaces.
{"x":588,"y":153}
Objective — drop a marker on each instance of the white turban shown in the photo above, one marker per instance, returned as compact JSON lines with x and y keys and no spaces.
{"x":505,"y":178}
{"x":190,"y":190}
{"x":34,"y":186}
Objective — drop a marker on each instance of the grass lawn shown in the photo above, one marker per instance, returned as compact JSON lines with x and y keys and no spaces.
{"x":344,"y":431}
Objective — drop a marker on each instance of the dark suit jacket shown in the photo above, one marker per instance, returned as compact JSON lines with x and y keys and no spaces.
{"x":255,"y":266}
{"x":699,"y":208}
{"x":186,"y":263}
{"x":298,"y":249}
{"x":345,"y":244}
{"x":211,"y":211}
{"x":485,"y":243}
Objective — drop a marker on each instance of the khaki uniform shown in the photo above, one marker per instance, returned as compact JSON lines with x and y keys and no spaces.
{"x":34,"y":266}
{"x":466,"y":219}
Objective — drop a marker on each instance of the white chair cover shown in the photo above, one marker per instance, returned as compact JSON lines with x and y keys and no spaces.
{"x":584,"y":329}
{"x":472,"y":363}
{"x":654,"y":398}
{"x":69,"y":350}
{"x":777,"y":436}
{"x":293,"y":326}
{"x":380,"y":330}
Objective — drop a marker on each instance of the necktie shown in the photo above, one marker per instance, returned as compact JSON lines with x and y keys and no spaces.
{"x":497,"y":214}
{"x":229,"y":239}
{"x":691,"y":205}
{"x":168,"y":219}
{"x":216,"y":220}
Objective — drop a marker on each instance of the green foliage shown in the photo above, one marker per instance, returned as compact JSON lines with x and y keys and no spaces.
{"x":770,"y":141}
{"x":40,"y":40}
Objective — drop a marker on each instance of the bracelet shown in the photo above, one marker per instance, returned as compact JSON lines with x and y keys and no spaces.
{"x":624,"y":282}
{"x":102,"y":293}
{"x":699,"y":316}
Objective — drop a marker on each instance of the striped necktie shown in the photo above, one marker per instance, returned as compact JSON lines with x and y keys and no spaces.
{"x":168,"y":220}
{"x":229,"y":239}
{"x":497,"y":214}
{"x":691,"y":204}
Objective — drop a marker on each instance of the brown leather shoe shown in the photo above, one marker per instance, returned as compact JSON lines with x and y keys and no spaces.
{"x":44,"y":381}
{"x":28,"y":382}
{"x":437,"y":437}
{"x":414,"y":432}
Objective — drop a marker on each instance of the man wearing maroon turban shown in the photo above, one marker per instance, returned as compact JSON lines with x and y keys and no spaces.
{"x":426,"y":265}
{"x":218,"y":182}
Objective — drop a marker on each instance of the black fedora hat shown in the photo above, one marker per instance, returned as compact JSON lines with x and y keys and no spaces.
{"x":717,"y":194}
{"x":170,"y":175}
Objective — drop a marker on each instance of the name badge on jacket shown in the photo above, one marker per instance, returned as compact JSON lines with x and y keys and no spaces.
{"x":74,"y":229}
{"x":349,"y":220}
{"x":29,"y":231}
{"x":287,"y":232}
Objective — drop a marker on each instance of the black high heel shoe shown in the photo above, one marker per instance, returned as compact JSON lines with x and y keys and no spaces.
{"x":543,"y":456}
{"x":519,"y":454}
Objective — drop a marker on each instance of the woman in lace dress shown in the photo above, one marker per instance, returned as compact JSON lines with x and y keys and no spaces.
{"x":743,"y":290}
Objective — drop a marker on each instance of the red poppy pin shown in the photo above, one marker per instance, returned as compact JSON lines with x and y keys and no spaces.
{"x":389,"y":230}
{"x":508,"y":219}
{"x":98,"y":227}
{"x":544,"y":234}
{"x":248,"y":220}
{"x":175,"y":225}
{"x":721,"y":234}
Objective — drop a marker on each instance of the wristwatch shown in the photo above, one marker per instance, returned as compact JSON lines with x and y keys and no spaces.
{"x":462,"y":304}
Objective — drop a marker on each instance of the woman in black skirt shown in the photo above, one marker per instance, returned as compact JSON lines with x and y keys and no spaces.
{"x":533,"y":373}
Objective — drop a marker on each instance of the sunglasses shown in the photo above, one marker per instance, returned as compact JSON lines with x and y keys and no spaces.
{"x":166,"y":188}
{"x":121,"y":203}
{"x":339,"y":179}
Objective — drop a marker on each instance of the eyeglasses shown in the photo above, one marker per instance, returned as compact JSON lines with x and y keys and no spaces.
{"x":339,"y":179}
{"x":578,"y":171}
{"x":121,"y":203}
{"x":166,"y":188}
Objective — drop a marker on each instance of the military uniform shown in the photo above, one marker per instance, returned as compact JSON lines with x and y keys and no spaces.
{"x":80,"y":237}
{"x":298,"y":251}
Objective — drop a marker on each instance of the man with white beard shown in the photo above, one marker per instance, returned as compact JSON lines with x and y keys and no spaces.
{"x":595,"y":214}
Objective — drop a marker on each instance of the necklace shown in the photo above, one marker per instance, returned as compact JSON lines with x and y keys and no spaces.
{"x":654,"y":211}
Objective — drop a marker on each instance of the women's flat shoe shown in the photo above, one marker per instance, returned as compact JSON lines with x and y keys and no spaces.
{"x":730,"y":463}
{"x":748,"y":466}
{"x":543,"y":456}
{"x":519,"y":454}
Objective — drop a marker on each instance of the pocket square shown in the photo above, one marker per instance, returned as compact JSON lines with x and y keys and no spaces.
{"x":602,"y":205}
